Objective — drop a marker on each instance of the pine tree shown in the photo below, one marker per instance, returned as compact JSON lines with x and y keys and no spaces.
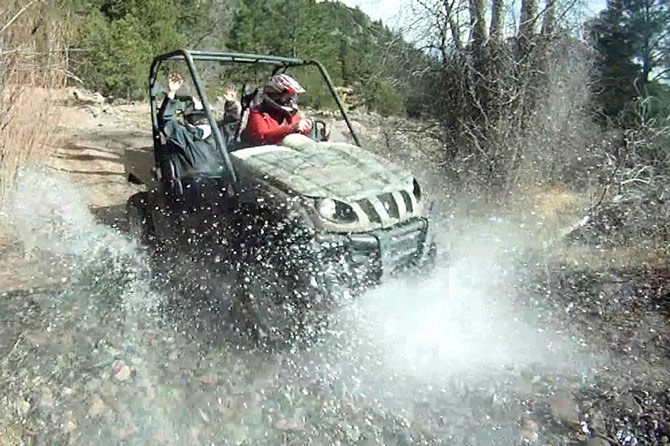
{"x":633,"y":40}
{"x":615,"y":87}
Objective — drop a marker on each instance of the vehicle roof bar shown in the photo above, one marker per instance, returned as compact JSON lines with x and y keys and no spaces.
{"x":191,"y":56}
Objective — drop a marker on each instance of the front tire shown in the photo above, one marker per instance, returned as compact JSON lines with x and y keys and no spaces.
{"x":140,"y":225}
{"x":283,"y":293}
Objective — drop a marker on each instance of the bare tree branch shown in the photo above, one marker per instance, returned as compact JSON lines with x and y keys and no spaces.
{"x":17,"y":15}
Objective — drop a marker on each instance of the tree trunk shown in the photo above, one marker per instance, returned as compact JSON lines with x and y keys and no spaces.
{"x":453,"y":25}
{"x":527,"y":27}
{"x":477,"y":22}
{"x":528,"y":18}
{"x":496,"y":19}
{"x":549,"y":22}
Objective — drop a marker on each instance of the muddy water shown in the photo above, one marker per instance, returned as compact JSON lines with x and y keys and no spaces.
{"x":97,"y":347}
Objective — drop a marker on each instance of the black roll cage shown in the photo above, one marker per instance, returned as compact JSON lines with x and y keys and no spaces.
{"x":191,"y":56}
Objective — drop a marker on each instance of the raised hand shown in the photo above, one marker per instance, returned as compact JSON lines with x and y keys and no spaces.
{"x":230,"y":94}
{"x":175,"y":81}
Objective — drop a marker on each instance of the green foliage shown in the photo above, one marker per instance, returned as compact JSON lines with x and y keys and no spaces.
{"x":633,"y":40}
{"x":618,"y":72}
{"x":115,"y":40}
{"x":655,"y":108}
{"x":357,"y":52}
{"x":648,"y":22}
{"x":383,"y":98}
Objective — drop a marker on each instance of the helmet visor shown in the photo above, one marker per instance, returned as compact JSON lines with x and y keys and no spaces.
{"x":287,"y":99}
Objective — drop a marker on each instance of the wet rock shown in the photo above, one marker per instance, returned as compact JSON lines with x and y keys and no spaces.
{"x":97,"y":408}
{"x":208,"y":380}
{"x":631,"y":404}
{"x":152,"y":337}
{"x":239,"y":435}
{"x":125,"y":432}
{"x":70,"y":426}
{"x":530,"y":432}
{"x":598,"y":441}
{"x":67,"y":340}
{"x":122,"y":372}
{"x":564,"y":409}
{"x":289,"y":424}
{"x":46,"y":398}
{"x":347,"y":405}
{"x":23,"y":407}
{"x":596,"y":420}
{"x":109,"y":389}
{"x":226,"y":412}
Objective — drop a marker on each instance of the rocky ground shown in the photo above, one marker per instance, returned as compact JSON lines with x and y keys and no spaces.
{"x":517,"y":339}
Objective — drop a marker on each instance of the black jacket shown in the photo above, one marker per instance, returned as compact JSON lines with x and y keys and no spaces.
{"x":190,"y":154}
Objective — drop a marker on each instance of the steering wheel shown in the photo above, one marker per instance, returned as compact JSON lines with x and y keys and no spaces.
{"x":320,"y":131}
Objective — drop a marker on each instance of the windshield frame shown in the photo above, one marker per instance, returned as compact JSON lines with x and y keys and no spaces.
{"x":190,"y":57}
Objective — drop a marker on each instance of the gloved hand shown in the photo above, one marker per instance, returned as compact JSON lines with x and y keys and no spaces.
{"x":303,"y":126}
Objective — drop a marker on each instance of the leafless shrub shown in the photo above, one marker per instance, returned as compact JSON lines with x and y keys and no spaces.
{"x":31,"y":66}
{"x":528,"y":125}
{"x":513,"y":97}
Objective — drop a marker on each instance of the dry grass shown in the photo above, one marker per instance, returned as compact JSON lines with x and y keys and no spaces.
{"x":32,"y":65}
{"x":10,"y":436}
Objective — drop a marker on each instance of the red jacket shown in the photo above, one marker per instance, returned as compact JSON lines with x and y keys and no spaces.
{"x":263,"y":128}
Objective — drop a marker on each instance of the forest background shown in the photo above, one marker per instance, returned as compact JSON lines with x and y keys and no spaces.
{"x":516,"y":92}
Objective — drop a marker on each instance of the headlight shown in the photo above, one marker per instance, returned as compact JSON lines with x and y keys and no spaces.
{"x":417,"y":191}
{"x":335,"y":210}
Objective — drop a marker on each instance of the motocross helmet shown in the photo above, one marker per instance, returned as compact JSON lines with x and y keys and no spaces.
{"x":281,"y":93}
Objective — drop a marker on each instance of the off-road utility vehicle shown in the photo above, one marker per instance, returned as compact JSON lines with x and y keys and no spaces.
{"x":305,"y":223}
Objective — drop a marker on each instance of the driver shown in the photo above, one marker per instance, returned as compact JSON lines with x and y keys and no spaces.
{"x":277,"y":115}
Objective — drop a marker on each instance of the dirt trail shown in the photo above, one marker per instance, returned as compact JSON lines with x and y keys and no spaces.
{"x":503,"y":345}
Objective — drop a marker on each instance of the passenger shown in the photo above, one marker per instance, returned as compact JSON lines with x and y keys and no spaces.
{"x":191,"y":146}
{"x":232,"y":116}
{"x":277,"y":115}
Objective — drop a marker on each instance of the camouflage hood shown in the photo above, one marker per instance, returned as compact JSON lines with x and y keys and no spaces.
{"x":323,"y":170}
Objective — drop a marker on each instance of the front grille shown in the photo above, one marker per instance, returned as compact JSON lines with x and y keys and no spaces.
{"x":369,"y":210}
{"x":400,"y":245}
{"x":388,"y":201}
{"x":387,"y":208}
{"x":381,"y":252}
{"x":407,"y":200}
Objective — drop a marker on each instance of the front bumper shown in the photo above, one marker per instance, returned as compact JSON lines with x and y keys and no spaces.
{"x":381,"y":253}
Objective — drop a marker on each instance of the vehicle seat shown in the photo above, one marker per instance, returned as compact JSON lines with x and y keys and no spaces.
{"x":249,"y":97}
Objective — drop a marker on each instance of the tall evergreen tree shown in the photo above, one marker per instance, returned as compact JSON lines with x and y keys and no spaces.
{"x":615,"y":43}
{"x":633,"y":41}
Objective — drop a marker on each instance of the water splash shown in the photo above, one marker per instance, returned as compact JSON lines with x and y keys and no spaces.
{"x":442,"y":361}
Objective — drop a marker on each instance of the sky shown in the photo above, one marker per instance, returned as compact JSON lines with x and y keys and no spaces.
{"x":389,"y":10}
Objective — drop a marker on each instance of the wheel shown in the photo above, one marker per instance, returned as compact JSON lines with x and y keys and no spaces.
{"x":284,"y":295}
{"x":140,"y":225}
